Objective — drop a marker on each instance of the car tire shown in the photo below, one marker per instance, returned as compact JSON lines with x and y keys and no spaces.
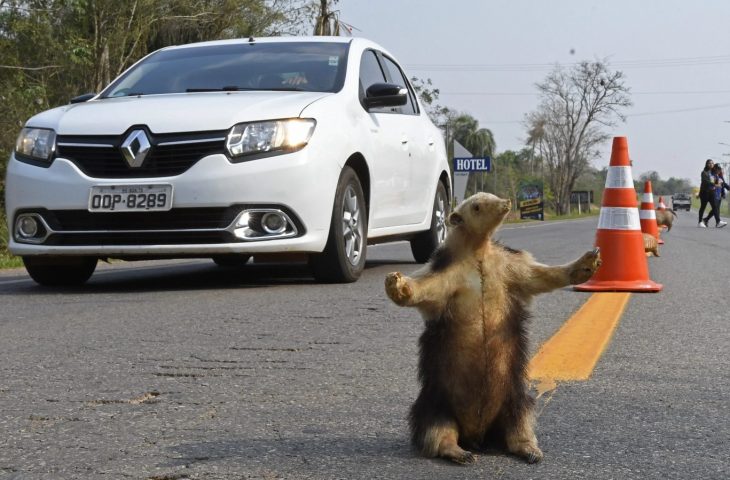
{"x":343,"y":258}
{"x":425,"y":243}
{"x":232,"y":260}
{"x":60,"y":271}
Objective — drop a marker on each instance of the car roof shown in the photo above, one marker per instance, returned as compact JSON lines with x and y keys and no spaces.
{"x":244,"y":41}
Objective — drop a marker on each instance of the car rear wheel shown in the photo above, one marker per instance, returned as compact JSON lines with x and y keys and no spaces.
{"x":231,"y":260}
{"x":57,"y":271}
{"x":423,"y":245}
{"x":343,"y":258}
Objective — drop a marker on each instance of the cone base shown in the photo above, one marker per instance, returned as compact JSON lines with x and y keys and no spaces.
{"x":619,"y":286}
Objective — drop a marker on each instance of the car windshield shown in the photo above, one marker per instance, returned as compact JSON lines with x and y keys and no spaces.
{"x":297,"y":66}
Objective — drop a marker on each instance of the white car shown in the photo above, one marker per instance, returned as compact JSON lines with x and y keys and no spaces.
{"x":230,"y":149}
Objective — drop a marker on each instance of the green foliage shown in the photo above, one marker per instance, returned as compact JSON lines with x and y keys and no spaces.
{"x":6,"y":260}
{"x":663,"y":187}
{"x":429,"y":96}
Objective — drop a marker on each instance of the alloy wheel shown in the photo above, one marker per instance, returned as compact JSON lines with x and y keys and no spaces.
{"x":352,"y":226}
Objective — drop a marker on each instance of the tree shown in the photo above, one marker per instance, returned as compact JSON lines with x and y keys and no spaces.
{"x":429,"y":97}
{"x":327,"y":21}
{"x":567,"y":127}
{"x":479,"y":141}
{"x":664,"y":187}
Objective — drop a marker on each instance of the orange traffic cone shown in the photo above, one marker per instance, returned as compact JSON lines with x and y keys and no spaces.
{"x":619,"y":235}
{"x":661,"y":204}
{"x":647,"y":214}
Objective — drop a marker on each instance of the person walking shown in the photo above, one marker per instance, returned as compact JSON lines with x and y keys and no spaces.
{"x":720,"y":185}
{"x":707,"y":195}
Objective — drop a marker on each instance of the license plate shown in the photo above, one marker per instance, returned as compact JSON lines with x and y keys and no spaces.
{"x":130,"y":198}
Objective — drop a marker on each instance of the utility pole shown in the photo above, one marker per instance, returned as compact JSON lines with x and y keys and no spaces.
{"x":325,"y":24}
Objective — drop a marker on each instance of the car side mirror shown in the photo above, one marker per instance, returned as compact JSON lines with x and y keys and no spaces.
{"x":385,"y":95}
{"x":83,"y":98}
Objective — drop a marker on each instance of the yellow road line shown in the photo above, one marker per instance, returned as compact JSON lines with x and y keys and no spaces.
{"x":572,"y":353}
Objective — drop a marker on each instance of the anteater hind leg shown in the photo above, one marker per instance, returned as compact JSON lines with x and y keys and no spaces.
{"x":434,"y":431}
{"x":519,"y":423}
{"x":442,"y":440}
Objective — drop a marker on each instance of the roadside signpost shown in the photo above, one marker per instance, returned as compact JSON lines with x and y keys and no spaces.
{"x":464,"y":164}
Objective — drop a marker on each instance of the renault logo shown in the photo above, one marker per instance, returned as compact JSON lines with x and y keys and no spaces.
{"x":135,"y":148}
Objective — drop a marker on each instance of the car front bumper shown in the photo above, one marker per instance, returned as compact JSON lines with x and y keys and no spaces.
{"x":292,"y":183}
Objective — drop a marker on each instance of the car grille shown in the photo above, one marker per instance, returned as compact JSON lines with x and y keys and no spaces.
{"x":175,"y":219}
{"x":170,"y":154}
{"x":181,"y":226}
{"x":139,"y":238}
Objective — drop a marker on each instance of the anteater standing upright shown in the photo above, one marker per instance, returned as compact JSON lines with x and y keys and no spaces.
{"x":473,"y":296}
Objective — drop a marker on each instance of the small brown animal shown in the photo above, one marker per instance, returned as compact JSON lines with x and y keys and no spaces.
{"x":473,"y":295}
{"x":665,"y":218}
{"x":650,"y":244}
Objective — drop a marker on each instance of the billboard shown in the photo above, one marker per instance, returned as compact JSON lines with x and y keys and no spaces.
{"x":530,"y":200}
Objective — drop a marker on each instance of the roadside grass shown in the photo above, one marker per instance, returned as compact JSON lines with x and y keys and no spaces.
{"x":551,"y":216}
{"x":6,"y":259}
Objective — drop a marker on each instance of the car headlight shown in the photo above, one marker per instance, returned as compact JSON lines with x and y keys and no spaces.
{"x":270,"y":137}
{"x":36,"y":143}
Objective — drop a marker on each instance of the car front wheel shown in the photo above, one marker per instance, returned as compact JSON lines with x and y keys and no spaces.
{"x":60,"y":271}
{"x":343,"y":258}
{"x":424,"y":244}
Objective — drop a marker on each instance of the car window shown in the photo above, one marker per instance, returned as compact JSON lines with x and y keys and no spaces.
{"x":397,"y":77}
{"x":306,"y":66}
{"x":371,"y":73}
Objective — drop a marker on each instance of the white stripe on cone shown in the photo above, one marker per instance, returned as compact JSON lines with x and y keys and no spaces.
{"x":647,"y":198}
{"x":619,"y":218}
{"x":647,"y":214}
{"x":619,"y":177}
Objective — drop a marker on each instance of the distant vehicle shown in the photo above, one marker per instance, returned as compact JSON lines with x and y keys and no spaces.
{"x":681,"y":201}
{"x":229,"y":149}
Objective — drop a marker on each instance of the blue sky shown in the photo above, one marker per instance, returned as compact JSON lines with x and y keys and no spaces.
{"x":486,"y":56}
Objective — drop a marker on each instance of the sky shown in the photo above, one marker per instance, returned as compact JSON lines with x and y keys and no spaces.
{"x":486,"y":57}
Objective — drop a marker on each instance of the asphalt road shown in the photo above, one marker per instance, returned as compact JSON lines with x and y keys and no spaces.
{"x":175,"y":370}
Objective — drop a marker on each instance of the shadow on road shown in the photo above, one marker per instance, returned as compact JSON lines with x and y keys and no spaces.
{"x":196,"y":275}
{"x":316,"y":450}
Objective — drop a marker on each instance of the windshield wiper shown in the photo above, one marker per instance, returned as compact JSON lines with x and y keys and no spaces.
{"x":228,"y":88}
{"x":284,"y":89}
{"x":239,"y":89}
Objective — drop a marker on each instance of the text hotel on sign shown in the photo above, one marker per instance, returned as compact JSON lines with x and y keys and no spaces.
{"x":472,"y":164}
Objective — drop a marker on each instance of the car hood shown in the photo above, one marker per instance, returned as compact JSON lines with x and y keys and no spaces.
{"x":185,"y":112}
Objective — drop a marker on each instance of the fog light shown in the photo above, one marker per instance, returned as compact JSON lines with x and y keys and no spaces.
{"x":263,"y":224}
{"x":273,"y":223}
{"x":28,"y":227}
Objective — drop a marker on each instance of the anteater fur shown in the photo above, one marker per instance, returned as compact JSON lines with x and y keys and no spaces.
{"x":474,"y":296}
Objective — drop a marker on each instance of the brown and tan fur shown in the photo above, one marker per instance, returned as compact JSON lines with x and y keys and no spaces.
{"x":473,"y":296}
{"x":651,"y":245}
{"x":665,"y":218}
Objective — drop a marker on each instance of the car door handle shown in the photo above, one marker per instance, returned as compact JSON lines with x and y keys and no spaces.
{"x":404,"y":140}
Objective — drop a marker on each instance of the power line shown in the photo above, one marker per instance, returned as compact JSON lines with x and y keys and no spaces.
{"x":682,"y":110}
{"x":526,"y":94}
{"x":640,"y":114}
{"x":522,"y":67}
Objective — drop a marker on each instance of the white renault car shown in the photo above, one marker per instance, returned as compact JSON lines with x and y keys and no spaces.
{"x":227,"y":150}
